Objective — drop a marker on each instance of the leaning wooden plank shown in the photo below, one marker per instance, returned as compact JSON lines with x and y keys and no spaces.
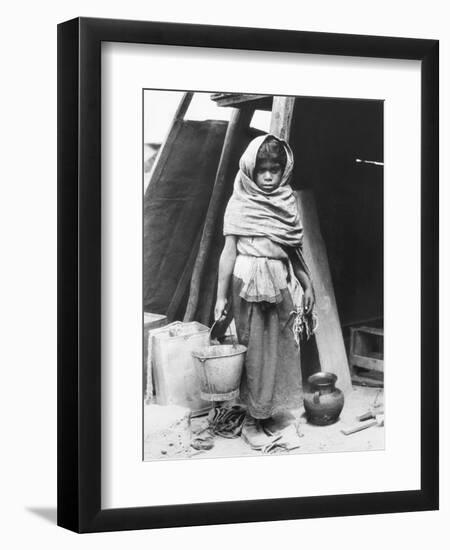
{"x":329,"y":340}
{"x":282,"y":111}
{"x":260,"y":102}
{"x":163,"y":153}
{"x":240,"y":120}
{"x":209,"y":289}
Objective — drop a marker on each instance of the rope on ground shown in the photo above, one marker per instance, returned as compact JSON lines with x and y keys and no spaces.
{"x":222,"y":421}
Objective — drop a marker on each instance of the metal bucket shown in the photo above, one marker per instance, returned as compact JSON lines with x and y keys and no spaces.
{"x":219,"y":369}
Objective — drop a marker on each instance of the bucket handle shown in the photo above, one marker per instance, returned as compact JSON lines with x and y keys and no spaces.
{"x":228,"y":332}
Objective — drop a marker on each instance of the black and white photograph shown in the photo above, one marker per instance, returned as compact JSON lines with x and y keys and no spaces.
{"x":226,"y":250}
{"x":263,"y":290}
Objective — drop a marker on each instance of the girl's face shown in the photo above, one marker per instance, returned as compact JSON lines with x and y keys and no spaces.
{"x":268,"y":175}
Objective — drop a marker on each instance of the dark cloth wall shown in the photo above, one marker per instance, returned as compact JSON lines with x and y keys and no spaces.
{"x":175,"y":207}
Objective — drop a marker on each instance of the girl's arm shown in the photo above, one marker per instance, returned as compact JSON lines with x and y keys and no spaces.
{"x":226,"y":266}
{"x":305,"y":281}
{"x":302,"y":276}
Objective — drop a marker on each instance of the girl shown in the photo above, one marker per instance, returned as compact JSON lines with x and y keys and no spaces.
{"x":262,"y":267}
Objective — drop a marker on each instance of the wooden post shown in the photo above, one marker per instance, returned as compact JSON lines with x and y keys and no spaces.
{"x":281,"y":121}
{"x":239,"y":120}
{"x":209,"y":287}
{"x":329,"y":340}
{"x":174,"y":128}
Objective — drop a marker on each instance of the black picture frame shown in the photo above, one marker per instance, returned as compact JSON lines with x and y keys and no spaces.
{"x":79,"y":274}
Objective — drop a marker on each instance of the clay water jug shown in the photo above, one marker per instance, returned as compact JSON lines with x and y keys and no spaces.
{"x":323,"y":402}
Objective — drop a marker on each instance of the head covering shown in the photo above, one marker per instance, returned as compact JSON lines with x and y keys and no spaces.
{"x":253,"y":212}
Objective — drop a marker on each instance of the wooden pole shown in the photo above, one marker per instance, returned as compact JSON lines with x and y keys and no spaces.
{"x":174,"y":128}
{"x":282,"y":112}
{"x":209,"y":287}
{"x":240,"y":119}
{"x":329,"y":340}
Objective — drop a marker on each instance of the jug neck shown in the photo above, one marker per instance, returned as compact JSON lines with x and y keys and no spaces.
{"x":324,"y":388}
{"x":323,"y":382}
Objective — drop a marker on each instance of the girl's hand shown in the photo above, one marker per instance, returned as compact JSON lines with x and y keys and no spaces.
{"x":219,"y":310}
{"x":308,"y":300}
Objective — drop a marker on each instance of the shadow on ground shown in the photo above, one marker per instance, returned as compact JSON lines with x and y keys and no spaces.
{"x":48,"y":514}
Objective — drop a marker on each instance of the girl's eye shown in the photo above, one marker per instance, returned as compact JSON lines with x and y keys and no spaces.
{"x":274,"y":170}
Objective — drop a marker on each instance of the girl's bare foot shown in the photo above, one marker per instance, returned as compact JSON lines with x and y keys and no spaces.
{"x":254,"y":434}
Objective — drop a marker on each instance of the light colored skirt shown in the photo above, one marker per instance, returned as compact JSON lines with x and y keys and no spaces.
{"x":271,"y":380}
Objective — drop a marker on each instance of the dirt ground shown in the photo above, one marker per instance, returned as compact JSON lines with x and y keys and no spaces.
{"x":314,"y":439}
